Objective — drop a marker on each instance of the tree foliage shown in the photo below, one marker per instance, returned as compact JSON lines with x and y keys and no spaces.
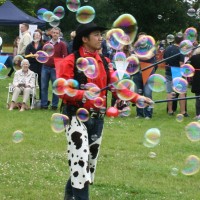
{"x":174,"y":14}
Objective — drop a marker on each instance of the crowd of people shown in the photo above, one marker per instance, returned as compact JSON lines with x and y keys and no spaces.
{"x":84,"y":137}
{"x":26,"y":46}
{"x":46,"y":72}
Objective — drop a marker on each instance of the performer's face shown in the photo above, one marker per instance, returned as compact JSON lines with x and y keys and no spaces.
{"x":93,"y":41}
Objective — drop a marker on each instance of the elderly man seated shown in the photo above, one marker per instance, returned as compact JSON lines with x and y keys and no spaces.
{"x":23,"y":82}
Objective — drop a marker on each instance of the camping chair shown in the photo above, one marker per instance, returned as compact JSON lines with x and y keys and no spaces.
{"x":32,"y":95}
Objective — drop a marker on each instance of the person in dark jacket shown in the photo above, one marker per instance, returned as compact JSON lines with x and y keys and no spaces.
{"x":32,"y":48}
{"x":195,"y":62}
{"x":84,"y":138}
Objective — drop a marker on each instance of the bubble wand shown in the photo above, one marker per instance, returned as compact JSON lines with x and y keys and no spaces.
{"x":176,"y":99}
{"x":108,"y":86}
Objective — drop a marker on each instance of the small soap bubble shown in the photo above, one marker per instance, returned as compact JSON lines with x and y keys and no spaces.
{"x":152,"y":154}
{"x":191,"y":166}
{"x":82,"y":114}
{"x":179,"y":117}
{"x":174,"y":171}
{"x":18,"y":136}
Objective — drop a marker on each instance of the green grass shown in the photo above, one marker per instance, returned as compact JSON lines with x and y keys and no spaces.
{"x":8,"y":49}
{"x":37,"y":167}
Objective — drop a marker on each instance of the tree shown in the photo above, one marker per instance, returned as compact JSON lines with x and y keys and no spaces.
{"x":173,"y":14}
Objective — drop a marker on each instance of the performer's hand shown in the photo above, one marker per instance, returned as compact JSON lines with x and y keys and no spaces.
{"x":92,"y":93}
{"x":149,"y":101}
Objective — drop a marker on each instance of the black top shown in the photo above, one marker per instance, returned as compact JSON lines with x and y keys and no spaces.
{"x":175,"y":61}
{"x":31,"y":49}
{"x":195,"y":62}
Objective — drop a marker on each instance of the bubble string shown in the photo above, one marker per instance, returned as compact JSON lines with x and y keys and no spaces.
{"x":163,"y":60}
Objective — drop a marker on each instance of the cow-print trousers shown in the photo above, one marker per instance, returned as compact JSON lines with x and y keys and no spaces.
{"x":84,"y":139}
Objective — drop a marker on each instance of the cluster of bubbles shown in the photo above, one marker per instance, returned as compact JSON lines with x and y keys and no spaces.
{"x":192,"y":162}
{"x":123,"y":32}
{"x":52,"y":17}
{"x":191,"y":165}
{"x":88,"y":66}
{"x":191,"y":12}
{"x":61,"y":86}
{"x":143,"y":47}
{"x":42,"y":56}
{"x":84,"y":14}
{"x":186,"y":70}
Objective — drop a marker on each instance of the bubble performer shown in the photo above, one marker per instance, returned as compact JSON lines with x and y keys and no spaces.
{"x":84,"y":137}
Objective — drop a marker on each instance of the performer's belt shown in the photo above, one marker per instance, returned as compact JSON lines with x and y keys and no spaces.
{"x":97,"y":115}
{"x":71,"y":110}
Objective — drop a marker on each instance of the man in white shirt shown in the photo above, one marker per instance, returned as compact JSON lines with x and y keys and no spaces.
{"x":25,"y":39}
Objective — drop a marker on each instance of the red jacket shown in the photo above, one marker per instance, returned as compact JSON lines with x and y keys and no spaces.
{"x":66,"y":71}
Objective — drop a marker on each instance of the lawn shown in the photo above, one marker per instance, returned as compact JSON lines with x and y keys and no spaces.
{"x":37,"y":167}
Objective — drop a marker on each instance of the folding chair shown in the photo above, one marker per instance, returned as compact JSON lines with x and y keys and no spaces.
{"x":32,"y":95}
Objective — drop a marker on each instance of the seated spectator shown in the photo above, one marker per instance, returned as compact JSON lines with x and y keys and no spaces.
{"x":24,"y":81}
